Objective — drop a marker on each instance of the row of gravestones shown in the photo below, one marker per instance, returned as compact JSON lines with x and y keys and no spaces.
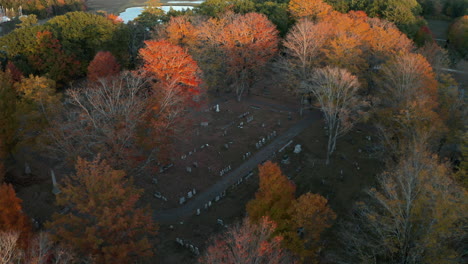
{"x":225,"y":170}
{"x":210,"y":203}
{"x":263,"y":141}
{"x":184,"y":156}
{"x":246,"y":155}
{"x":188,"y":245}
{"x":243,"y":115}
{"x":190,"y":194}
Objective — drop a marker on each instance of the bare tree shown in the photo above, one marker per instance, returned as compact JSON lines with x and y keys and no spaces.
{"x":336,"y":91}
{"x":303,"y":44}
{"x":248,"y":243}
{"x":8,"y":250}
{"x":418,"y":215}
{"x":102,"y":118}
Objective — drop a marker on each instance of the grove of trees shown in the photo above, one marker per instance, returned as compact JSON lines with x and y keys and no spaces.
{"x":106,"y":102}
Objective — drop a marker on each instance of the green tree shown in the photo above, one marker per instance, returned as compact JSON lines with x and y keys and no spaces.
{"x":103,"y":220}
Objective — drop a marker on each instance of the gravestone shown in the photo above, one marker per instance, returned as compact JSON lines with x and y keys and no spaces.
{"x":27,"y":169}
{"x":297,"y":149}
{"x":155,"y":180}
{"x":204,"y":124}
{"x":55,"y":189}
{"x":226,"y":146}
{"x":181,"y":200}
{"x":189,"y":195}
{"x":217,"y":108}
{"x":194,"y":191}
{"x":209,"y":204}
{"x":285,"y":159}
{"x":219,"y":221}
{"x":188,"y":169}
{"x":198,"y":211}
{"x":157,"y":195}
{"x":217,"y":198}
{"x":195,"y":164}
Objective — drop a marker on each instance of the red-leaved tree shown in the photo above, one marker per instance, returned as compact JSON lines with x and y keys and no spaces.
{"x":103,"y":65}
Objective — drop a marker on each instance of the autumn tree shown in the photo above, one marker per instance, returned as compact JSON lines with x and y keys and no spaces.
{"x":38,"y":103}
{"x":310,"y":9}
{"x":180,"y":31}
{"x":458,"y":35}
{"x":8,"y":121}
{"x":303,"y":43}
{"x":103,"y":220}
{"x":248,"y":243}
{"x":177,"y":87}
{"x":274,"y":196}
{"x":104,"y":65}
{"x":299,"y":221}
{"x":337,"y":94}
{"x":12,"y":218}
{"x":408,"y":100}
{"x":250,"y":41}
{"x":413,"y":217}
{"x":105,"y":118}
{"x":310,"y":215}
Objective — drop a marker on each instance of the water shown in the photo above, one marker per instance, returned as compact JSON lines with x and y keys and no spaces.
{"x":133,"y":12}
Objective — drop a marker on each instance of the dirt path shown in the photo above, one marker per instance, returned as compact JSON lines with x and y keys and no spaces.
{"x":179,"y":213}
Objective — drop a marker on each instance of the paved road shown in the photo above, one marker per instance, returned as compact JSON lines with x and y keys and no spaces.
{"x":179,"y":213}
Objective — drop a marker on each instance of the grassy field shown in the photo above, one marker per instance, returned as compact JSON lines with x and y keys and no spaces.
{"x":118,"y":6}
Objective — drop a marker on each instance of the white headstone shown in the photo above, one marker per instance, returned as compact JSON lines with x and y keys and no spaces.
{"x":194,"y":191}
{"x":189,"y":169}
{"x":181,"y":200}
{"x":189,"y":195}
{"x":217,"y":108}
{"x":198,"y":211}
{"x":297,"y":149}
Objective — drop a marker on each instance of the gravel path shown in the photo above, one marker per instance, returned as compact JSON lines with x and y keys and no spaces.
{"x":188,"y":209}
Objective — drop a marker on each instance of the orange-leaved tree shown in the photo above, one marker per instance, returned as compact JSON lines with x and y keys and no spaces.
{"x":177,"y":87}
{"x":12,"y":217}
{"x":180,"y":31}
{"x":104,"y":65}
{"x":249,"y":42}
{"x":274,"y":196}
{"x":248,"y":243}
{"x":310,"y":9}
{"x":103,"y":220}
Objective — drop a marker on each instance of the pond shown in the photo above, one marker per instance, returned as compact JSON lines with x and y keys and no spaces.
{"x":133,"y":12}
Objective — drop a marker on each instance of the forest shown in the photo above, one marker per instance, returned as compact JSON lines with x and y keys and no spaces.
{"x":239,"y":132}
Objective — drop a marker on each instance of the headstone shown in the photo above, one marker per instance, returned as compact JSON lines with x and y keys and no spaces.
{"x":220,"y":221}
{"x":285,"y":159}
{"x":279,"y":122}
{"x":209,"y":204}
{"x":204,"y":124}
{"x":157,"y":195}
{"x":297,"y":149}
{"x":194,"y":191}
{"x":198,"y":211}
{"x":155,"y":180}
{"x":189,"y":169}
{"x":27,"y":169}
{"x":181,"y":200}
{"x":195,"y":164}
{"x":226,"y":146}
{"x":192,"y":248}
{"x":189,"y":194}
{"x":217,"y":198}
{"x":164,"y":198}
{"x":263,"y":140}
{"x":197,"y":251}
{"x":217,"y":108}
{"x":55,"y":189}
{"x":263,"y":124}
{"x":206,"y":206}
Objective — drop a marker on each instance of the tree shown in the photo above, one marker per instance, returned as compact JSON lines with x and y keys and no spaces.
{"x":104,"y":65}
{"x":458,"y":35}
{"x":304,"y":44}
{"x":105,"y":118}
{"x":27,"y":21}
{"x":103,"y":220}
{"x":274,"y":196}
{"x":8,"y":121}
{"x":12,"y":218}
{"x":414,"y":216}
{"x":248,"y":243}
{"x":180,"y":31}
{"x":310,"y":9}
{"x":310,"y":216}
{"x":249,"y":41}
{"x":336,"y":91}
{"x":406,"y":78}
{"x":49,"y":58}
{"x":8,"y":250}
